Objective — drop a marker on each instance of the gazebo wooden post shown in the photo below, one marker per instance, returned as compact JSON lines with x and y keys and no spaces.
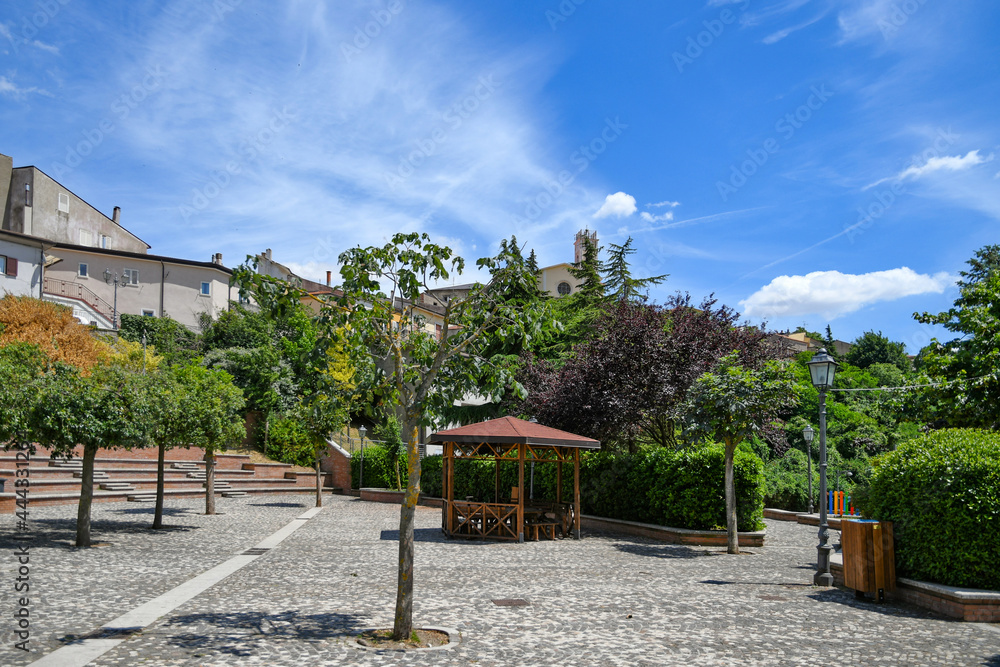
{"x":576,"y":491}
{"x":449,"y":485}
{"x":496,"y":479}
{"x":560,"y":453}
{"x":520,"y":492}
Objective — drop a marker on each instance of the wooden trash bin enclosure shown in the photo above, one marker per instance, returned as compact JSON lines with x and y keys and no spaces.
{"x":869,"y":560}
{"x":513,"y":441}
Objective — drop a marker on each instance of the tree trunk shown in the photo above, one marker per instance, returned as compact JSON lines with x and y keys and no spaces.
{"x":86,"y":497}
{"x":209,"y":482}
{"x":732,"y":535}
{"x":319,"y":484}
{"x":403,"y":625}
{"x":161,"y":452}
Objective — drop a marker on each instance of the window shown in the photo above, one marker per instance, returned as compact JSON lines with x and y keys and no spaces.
{"x":83,"y":270}
{"x":63,"y":202}
{"x":86,"y":238}
{"x":206,"y":289}
{"x":8,"y":266}
{"x":130,"y":277}
{"x":563,"y":288}
{"x":146,"y":312}
{"x":105,"y":242}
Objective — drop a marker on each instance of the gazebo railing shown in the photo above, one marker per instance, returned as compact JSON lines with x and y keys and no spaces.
{"x":484,"y":520}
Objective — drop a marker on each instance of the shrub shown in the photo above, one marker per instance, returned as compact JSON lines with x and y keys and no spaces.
{"x":942,"y":493}
{"x":379,"y":471}
{"x":289,"y":442}
{"x":785,"y":483}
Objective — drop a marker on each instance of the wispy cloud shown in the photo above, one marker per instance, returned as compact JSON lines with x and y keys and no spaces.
{"x":46,"y":47}
{"x":779,"y":35}
{"x":661,"y":204}
{"x":832,"y":294}
{"x":935,"y":164}
{"x":11,"y":89}
{"x":649,"y":217}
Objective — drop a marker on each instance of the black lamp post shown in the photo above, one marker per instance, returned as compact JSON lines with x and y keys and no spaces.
{"x":361,"y":477}
{"x":112,"y":277}
{"x":807,"y":434}
{"x":822,"y":369}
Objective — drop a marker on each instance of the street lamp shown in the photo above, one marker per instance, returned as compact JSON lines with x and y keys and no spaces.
{"x":822,"y":369}
{"x":361,"y":477}
{"x":807,"y":434}
{"x":112,"y":277}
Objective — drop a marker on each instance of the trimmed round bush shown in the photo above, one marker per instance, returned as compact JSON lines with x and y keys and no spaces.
{"x":942,"y":493}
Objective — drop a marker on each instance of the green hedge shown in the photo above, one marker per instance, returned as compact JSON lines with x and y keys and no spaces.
{"x":682,"y":489}
{"x":942,"y":493}
{"x":288,"y":442}
{"x":379,"y":472}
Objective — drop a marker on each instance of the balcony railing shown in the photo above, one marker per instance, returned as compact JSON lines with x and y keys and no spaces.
{"x":79,"y":292}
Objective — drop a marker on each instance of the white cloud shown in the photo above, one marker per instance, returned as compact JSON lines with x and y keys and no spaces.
{"x":661,"y":204}
{"x":832,"y":293}
{"x":864,"y":19}
{"x":946,"y":163}
{"x":619,"y":204}
{"x":46,"y":47}
{"x":649,"y":217}
{"x":11,"y":89}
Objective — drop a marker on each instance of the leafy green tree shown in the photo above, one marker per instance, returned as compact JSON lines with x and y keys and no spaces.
{"x":173,"y":341}
{"x":732,"y":403}
{"x":422,"y":373}
{"x":968,"y":364}
{"x":21,"y":366}
{"x":110,"y":408}
{"x":210,"y":412}
{"x":618,"y":280}
{"x":873,"y":348}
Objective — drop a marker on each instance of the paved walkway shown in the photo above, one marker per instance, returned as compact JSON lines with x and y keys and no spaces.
{"x":605,"y":600}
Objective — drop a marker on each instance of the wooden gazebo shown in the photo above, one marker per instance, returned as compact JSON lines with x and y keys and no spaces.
{"x":511,"y":440}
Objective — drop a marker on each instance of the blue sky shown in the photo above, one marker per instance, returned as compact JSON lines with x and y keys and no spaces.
{"x":808,"y":161}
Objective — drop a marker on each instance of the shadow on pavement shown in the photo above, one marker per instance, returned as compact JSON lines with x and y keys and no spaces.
{"x":278,"y":504}
{"x":241,"y":630}
{"x":435,"y":535}
{"x":61,"y":533}
{"x":846,"y":598}
{"x":662,"y":551}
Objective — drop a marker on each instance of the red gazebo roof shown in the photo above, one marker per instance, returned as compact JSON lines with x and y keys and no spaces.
{"x":511,"y":430}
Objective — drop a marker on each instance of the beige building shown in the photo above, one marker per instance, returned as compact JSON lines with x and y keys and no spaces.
{"x":85,"y":279}
{"x":37,"y":205}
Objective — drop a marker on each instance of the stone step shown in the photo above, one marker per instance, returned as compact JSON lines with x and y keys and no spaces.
{"x":233,"y":494}
{"x":97,"y":475}
{"x":142,"y":498}
{"x":61,"y":463}
{"x":184,"y":466}
{"x":197,"y":475}
{"x":219,"y":485}
{"x":117,"y":486}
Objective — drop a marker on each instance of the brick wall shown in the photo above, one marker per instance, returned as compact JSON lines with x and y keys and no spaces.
{"x":337,"y":462}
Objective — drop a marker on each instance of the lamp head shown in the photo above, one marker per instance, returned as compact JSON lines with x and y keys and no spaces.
{"x":822,"y":369}
{"x":362,"y":431}
{"x":808,"y":433}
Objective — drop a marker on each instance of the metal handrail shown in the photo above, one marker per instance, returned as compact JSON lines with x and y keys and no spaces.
{"x":80,"y":292}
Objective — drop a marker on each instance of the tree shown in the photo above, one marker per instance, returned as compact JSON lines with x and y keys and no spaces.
{"x":210,"y":416}
{"x":874,"y":348}
{"x":618,"y":280}
{"x":109,"y":408}
{"x":588,"y":272}
{"x":49,"y":326}
{"x":733,"y":403}
{"x":423,"y":373}
{"x":173,"y":341}
{"x":21,"y":366}
{"x":968,"y":364}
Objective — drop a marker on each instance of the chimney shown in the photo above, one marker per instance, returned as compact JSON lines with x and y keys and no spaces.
{"x":328,"y":278}
{"x":116,"y":215}
{"x":217,"y":258}
{"x":267,"y":253}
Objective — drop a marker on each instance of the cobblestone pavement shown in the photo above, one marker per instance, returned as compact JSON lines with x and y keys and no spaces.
{"x":604,"y":600}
